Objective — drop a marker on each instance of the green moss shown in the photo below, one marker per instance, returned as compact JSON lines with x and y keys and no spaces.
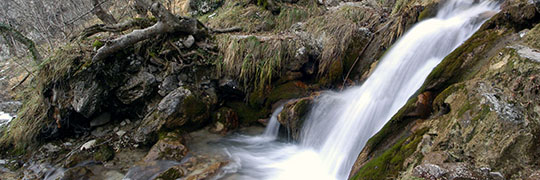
{"x":246,"y":114}
{"x":104,"y":153}
{"x":439,"y":100}
{"x":397,"y":122}
{"x":467,"y":106}
{"x":458,"y":65}
{"x":97,"y":44}
{"x":390,"y":162}
{"x":533,"y":37}
{"x":428,"y":12}
{"x":290,"y":90}
{"x":193,"y":106}
{"x":171,"y":173}
{"x":482,"y":114}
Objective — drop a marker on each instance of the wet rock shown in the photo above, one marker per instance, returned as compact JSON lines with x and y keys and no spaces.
{"x":293,"y":114}
{"x":87,"y":96}
{"x":174,"y":172}
{"x":100,"y":120}
{"x":104,"y":153}
{"x":77,"y":173}
{"x":136,"y":87}
{"x":171,"y":103}
{"x":168,"y":148}
{"x":225,"y":120}
{"x":196,"y":167}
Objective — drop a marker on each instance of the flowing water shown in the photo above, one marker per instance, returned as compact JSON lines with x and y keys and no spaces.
{"x":340,"y":123}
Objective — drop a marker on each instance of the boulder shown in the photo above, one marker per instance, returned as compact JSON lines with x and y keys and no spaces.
{"x":196,"y":167}
{"x":136,"y":87}
{"x":87,"y":97}
{"x":168,"y":148}
{"x":293,"y":114}
{"x":178,"y":108}
{"x":169,"y":84}
{"x":100,"y":120}
{"x":225,"y":119}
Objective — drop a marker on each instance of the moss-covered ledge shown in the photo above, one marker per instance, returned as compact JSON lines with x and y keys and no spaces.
{"x":462,"y":63}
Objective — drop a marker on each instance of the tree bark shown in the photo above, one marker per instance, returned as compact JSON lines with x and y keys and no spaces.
{"x":102,"y":14}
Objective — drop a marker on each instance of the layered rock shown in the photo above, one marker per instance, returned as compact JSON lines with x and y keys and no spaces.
{"x":484,"y":117}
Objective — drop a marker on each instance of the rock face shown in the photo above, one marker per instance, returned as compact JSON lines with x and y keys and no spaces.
{"x":486,"y":120}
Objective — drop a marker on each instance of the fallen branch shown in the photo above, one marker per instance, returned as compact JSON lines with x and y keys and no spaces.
{"x":120,"y":27}
{"x":226,"y":30}
{"x":21,"y":82}
{"x":167,"y":23}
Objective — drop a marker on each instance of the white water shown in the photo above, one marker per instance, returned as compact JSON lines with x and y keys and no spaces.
{"x":340,"y":123}
{"x":5,"y":118}
{"x":272,"y":129}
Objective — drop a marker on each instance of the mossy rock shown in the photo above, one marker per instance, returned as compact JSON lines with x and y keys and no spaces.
{"x":97,"y":44}
{"x":429,"y":11}
{"x":390,"y":162}
{"x":174,"y":172}
{"x":289,"y":90}
{"x":104,"y":153}
{"x":247,"y":115}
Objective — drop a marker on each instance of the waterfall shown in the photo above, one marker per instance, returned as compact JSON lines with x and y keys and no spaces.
{"x":340,"y":123}
{"x":272,"y":128}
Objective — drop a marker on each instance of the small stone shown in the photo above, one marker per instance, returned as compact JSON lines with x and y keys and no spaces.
{"x":88,"y":145}
{"x":127,"y":121}
{"x":123,"y":123}
{"x":116,"y":129}
{"x":190,"y":40}
{"x":50,"y":148}
{"x":120,"y":133}
{"x":100,"y":132}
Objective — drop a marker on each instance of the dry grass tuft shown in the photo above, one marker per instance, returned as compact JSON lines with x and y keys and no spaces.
{"x":255,"y":60}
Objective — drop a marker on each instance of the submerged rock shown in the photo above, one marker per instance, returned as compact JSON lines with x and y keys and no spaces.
{"x":293,"y":115}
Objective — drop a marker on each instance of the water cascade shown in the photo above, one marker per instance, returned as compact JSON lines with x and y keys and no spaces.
{"x":340,"y":123}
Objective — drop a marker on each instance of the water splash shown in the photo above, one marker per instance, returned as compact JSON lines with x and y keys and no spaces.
{"x":340,"y":124}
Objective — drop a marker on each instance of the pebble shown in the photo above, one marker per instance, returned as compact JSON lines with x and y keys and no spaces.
{"x":88,"y":145}
{"x":120,"y":133}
